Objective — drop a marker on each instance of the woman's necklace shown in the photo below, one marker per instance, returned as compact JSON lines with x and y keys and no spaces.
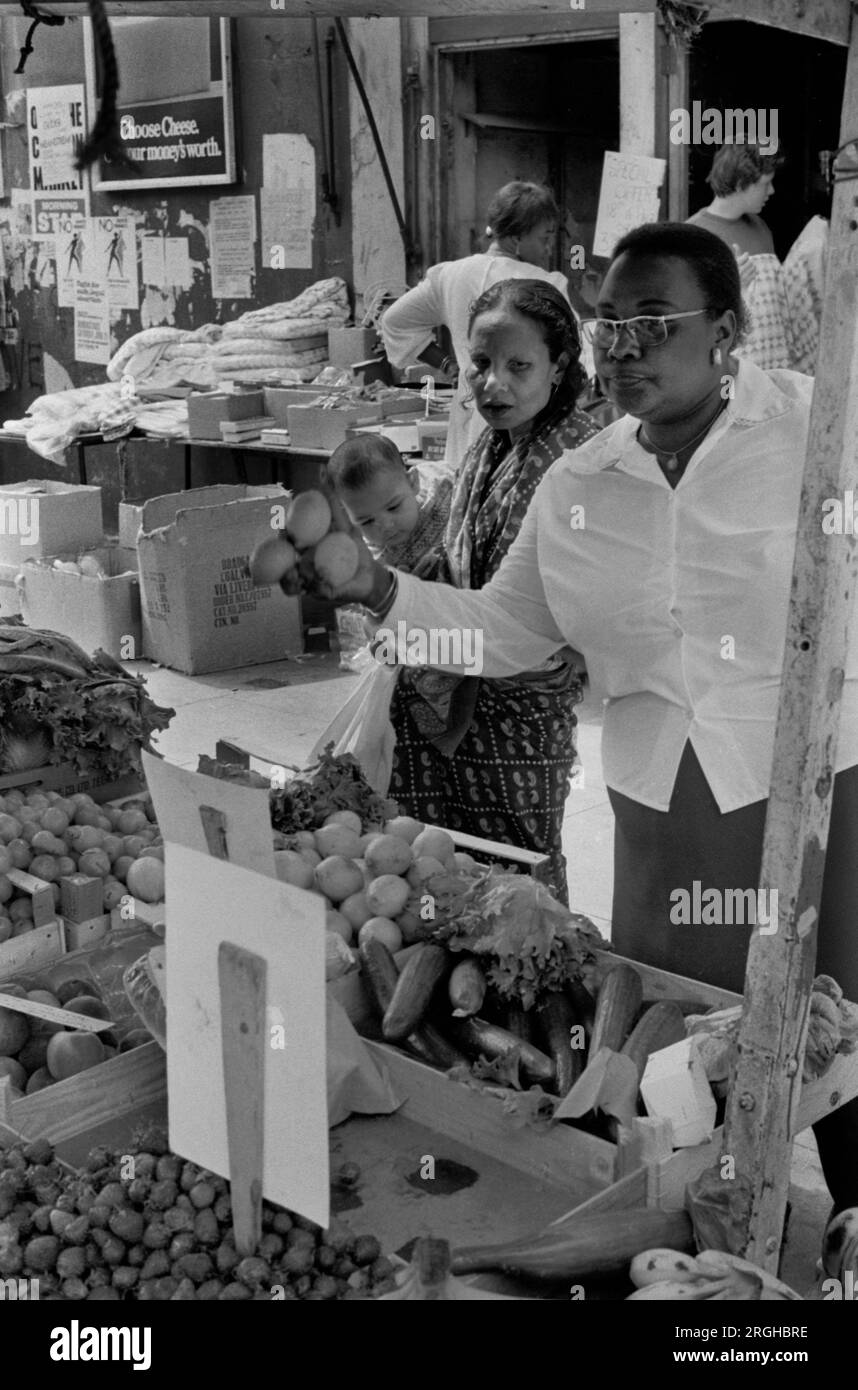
{"x":671,"y":462}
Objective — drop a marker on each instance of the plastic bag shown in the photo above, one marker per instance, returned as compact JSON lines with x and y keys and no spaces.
{"x":362,"y":726}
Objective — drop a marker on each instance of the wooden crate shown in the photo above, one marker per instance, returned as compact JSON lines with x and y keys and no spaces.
{"x":595,"y":1171}
{"x":121,"y":1086}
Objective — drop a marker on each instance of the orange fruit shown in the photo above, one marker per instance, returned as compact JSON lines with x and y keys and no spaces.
{"x":291,"y":868}
{"x":381,"y":929}
{"x":308,"y":518}
{"x":406,"y":827}
{"x":387,"y":895}
{"x":336,"y":559}
{"x":145,"y":880}
{"x":423,"y":868}
{"x":356,"y":909}
{"x":388,"y":854}
{"x":349,"y":818}
{"x":338,"y":877}
{"x":337,"y":839}
{"x":437,"y":843}
{"x":70,"y":1053}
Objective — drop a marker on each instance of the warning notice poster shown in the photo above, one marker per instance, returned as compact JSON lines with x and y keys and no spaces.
{"x":55,"y":132}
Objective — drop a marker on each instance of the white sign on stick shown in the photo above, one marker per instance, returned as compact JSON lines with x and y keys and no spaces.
{"x":212,"y":901}
{"x":177,"y":793}
{"x":628,"y":197}
{"x":239,"y":900}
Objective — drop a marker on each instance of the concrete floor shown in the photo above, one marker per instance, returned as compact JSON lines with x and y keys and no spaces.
{"x":278,"y":711}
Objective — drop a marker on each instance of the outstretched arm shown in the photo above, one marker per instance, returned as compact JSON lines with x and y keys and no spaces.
{"x":508,"y":622}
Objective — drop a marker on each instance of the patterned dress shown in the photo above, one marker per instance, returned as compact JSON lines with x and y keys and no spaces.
{"x":492,"y":757}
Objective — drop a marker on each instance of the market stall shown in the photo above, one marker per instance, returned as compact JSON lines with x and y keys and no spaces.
{"x":476,"y":1011}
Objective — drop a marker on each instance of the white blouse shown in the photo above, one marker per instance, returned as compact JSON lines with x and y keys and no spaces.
{"x":676,"y":597}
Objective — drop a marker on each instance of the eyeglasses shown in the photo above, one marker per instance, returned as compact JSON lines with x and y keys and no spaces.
{"x":646,"y":330}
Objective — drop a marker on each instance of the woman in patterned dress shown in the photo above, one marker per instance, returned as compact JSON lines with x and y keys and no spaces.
{"x":493,"y":757}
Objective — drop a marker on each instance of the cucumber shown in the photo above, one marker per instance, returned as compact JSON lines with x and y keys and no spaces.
{"x":422,"y":972}
{"x":617,"y":1007}
{"x":381,"y":976}
{"x":479,"y":1038}
{"x":557,"y":1018}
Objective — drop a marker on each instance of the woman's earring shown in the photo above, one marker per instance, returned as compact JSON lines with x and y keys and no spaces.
{"x":716,"y":356}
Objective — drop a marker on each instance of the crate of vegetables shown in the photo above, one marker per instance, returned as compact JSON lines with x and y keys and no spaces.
{"x":70,"y":723}
{"x":57,"y":1080}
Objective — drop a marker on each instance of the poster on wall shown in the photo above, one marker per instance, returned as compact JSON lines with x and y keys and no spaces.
{"x":115,"y":252}
{"x":628,"y":197}
{"x":55,"y":133}
{"x":175,"y":102}
{"x":101,"y":249}
{"x":287,"y":201}
{"x":232,"y":233}
{"x":70,"y":241}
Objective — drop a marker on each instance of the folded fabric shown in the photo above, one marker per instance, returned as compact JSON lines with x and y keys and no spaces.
{"x":283,"y":330}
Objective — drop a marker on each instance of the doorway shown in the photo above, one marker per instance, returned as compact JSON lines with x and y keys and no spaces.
{"x":741,"y":65}
{"x":545,"y":113}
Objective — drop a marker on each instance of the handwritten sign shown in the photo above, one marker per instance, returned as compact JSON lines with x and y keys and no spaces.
{"x":628,"y":197}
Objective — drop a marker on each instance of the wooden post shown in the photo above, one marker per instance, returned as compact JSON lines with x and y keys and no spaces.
{"x":748,"y":1210}
{"x":637,"y":83}
{"x":242,"y":977}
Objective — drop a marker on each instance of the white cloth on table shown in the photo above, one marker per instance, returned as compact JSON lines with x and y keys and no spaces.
{"x":653,"y":585}
{"x":445,"y":296}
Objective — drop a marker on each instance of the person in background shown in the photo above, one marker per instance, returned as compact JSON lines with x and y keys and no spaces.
{"x":494,"y":757}
{"x":742,"y":181}
{"x":522,"y":223}
{"x":690,"y":505}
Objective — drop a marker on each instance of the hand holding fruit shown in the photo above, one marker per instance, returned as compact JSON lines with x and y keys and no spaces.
{"x":319,"y":552}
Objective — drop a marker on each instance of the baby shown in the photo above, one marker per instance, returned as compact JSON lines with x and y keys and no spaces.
{"x":402,"y":516}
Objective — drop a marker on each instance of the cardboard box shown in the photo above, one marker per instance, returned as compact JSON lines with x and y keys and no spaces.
{"x":94,"y":612}
{"x":432,"y":438}
{"x":201,"y":612}
{"x":277,"y":398}
{"x":675,"y":1087}
{"x":81,"y":897}
{"x":402,"y":403}
{"x":66,"y":779}
{"x":207,"y":409}
{"x":314,"y":426}
{"x":47,"y":518}
{"x":348,"y":345}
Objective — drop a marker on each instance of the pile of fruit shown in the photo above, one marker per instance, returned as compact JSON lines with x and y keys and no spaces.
{"x":373,"y":881}
{"x":148,"y":1225}
{"x":51,"y":836}
{"x":35,"y":1053}
{"x":307,"y":551}
{"x":404,"y":886}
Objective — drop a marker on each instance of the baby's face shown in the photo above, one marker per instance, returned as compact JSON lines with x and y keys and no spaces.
{"x":386,"y":510}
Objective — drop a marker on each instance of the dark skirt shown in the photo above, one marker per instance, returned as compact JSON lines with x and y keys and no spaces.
{"x":658,"y":852}
{"x":509,"y":777}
